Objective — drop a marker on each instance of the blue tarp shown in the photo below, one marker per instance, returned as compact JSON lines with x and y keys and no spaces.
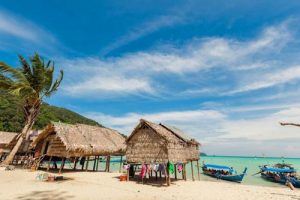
{"x":279,"y":170}
{"x":218,"y":167}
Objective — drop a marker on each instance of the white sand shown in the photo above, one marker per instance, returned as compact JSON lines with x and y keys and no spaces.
{"x":21,"y":184}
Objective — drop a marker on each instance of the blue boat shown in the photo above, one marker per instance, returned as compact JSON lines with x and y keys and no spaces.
{"x":223,"y":172}
{"x":281,"y":175}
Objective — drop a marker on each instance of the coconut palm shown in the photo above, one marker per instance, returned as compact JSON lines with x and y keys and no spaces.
{"x":31,"y":82}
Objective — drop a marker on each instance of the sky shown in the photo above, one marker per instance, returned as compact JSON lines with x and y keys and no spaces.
{"x":225,"y":72}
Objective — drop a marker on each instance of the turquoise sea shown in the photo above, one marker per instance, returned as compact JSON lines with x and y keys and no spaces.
{"x":238,"y":163}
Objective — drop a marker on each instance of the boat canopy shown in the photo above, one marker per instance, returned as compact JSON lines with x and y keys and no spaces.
{"x":278,"y":170}
{"x":218,"y":167}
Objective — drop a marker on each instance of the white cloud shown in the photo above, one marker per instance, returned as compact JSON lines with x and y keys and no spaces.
{"x":18,"y":27}
{"x":157,"y":72}
{"x":143,"y":30}
{"x":218,"y":132}
{"x":271,"y":79}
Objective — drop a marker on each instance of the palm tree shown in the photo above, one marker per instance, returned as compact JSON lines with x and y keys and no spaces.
{"x":31,"y":82}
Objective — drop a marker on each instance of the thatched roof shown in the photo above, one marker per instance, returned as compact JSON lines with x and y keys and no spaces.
{"x":89,"y":140}
{"x":170,"y":133}
{"x":157,"y":143}
{"x":6,"y":137}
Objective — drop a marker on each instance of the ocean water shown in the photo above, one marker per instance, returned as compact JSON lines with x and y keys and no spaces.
{"x":238,"y":163}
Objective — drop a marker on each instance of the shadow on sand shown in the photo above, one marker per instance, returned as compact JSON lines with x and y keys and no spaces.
{"x":46,"y":195}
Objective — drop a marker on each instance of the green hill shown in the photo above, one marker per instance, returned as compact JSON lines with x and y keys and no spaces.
{"x":12,"y":118}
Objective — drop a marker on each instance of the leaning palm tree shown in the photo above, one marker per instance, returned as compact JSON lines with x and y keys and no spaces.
{"x":31,"y":82}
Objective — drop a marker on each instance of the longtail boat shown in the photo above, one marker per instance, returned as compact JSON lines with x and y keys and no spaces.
{"x":280,"y":173}
{"x":223,"y":172}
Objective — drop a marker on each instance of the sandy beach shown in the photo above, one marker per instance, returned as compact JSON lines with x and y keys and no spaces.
{"x":21,"y":184}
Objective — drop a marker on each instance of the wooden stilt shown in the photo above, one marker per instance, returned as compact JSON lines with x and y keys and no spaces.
{"x":97,"y":163}
{"x":49,"y":162}
{"x":107,"y":167}
{"x":192,"y":168}
{"x":87,"y":164}
{"x":127,"y":174}
{"x":94,"y":167}
{"x":156,"y":176}
{"x":62,"y":165}
{"x":159,"y":174}
{"x":75,"y":163}
{"x":198,"y":169}
{"x":166,"y":174}
{"x":175,"y":171}
{"x":82,"y":166}
{"x":121,"y":162}
{"x":184,"y":169}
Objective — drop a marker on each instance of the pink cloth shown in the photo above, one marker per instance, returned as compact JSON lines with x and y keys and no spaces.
{"x":179,"y":167}
{"x":143,"y":171}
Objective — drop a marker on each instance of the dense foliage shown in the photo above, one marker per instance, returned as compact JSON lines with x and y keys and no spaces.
{"x":12,"y":117}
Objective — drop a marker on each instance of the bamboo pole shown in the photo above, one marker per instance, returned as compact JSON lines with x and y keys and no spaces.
{"x":192,"y":168}
{"x":87,"y":163}
{"x":198,"y":169}
{"x":49,"y":162}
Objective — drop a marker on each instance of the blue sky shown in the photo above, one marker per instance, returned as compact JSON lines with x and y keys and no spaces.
{"x":225,"y":72}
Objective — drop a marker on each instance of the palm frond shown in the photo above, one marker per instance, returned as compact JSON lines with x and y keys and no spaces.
{"x":55,"y":85}
{"x":12,"y":72}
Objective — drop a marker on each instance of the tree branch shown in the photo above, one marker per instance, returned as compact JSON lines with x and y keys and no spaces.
{"x":291,"y":124}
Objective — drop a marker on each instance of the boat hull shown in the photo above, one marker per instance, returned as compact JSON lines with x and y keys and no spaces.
{"x":233,"y":178}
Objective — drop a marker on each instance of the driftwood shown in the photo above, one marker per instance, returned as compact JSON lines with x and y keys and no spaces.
{"x":289,"y":124}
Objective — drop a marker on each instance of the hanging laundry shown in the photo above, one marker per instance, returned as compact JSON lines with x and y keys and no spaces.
{"x":126,"y":167}
{"x":143,"y":171}
{"x":161,"y":168}
{"x":179,"y":167}
{"x":155,"y":167}
{"x":170,"y":167}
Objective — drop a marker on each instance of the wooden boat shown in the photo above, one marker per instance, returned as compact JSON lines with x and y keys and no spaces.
{"x":223,"y":172}
{"x":280,"y":173}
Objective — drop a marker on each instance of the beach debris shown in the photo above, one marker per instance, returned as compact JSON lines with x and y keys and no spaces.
{"x":9,"y":168}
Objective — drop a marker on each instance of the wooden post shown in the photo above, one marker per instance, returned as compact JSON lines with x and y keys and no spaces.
{"x":184,"y":169}
{"x":175,"y":171}
{"x":128,"y":174}
{"x":94,"y":167}
{"x":198,"y":170}
{"x":75,"y":163}
{"x":107,"y":164}
{"x":87,"y":164}
{"x":166,"y":174}
{"x":156,"y":175}
{"x":49,"y":162}
{"x":62,"y":165}
{"x":120,"y":170}
{"x":97,"y":163}
{"x":192,"y":168}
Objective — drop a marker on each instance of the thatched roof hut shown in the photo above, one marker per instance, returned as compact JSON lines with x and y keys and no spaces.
{"x":66,"y":140}
{"x":158,"y":143}
{"x":5,"y":139}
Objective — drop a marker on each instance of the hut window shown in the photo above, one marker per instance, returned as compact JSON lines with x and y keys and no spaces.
{"x":46,"y":147}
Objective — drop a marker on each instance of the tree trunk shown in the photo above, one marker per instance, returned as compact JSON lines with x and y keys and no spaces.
{"x":30,"y":119}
